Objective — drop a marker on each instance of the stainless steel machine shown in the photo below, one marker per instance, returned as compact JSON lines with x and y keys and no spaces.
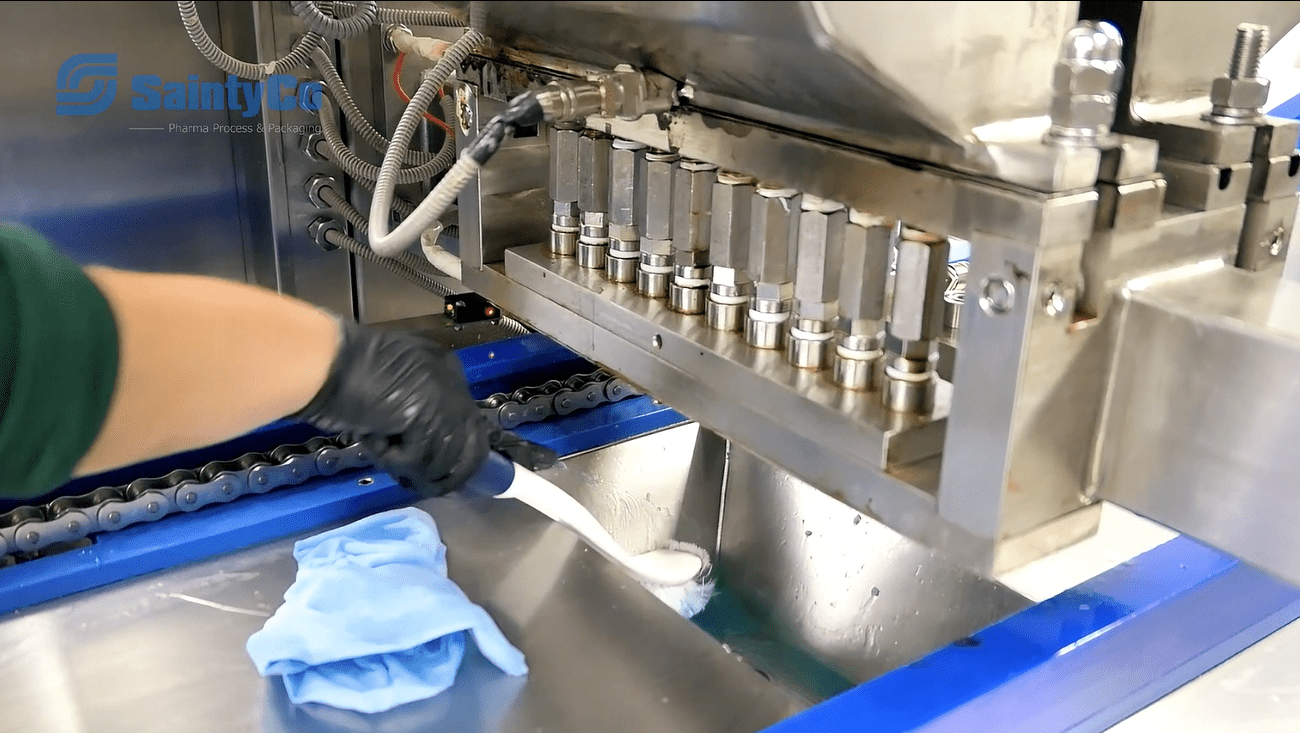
{"x":959,"y":273}
{"x":1128,"y":209}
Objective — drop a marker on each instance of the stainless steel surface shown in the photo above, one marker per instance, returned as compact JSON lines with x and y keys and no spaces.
{"x":730,"y":286}
{"x":603,"y":653}
{"x":828,"y":68}
{"x":1240,"y":95}
{"x":863,"y":600}
{"x":1171,"y":71}
{"x":1203,"y":187}
{"x":382,"y":296}
{"x":178,"y":202}
{"x":594,"y":191}
{"x":824,"y":432}
{"x":1215,"y":477}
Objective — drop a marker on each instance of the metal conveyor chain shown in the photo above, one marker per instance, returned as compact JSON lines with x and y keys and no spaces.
{"x":29,"y":529}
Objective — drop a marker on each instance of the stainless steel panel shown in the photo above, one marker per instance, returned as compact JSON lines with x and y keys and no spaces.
{"x":304,"y":270}
{"x":112,"y":188}
{"x":507,"y":203}
{"x":823,"y":66}
{"x":166,"y":652}
{"x":367,"y":71}
{"x":849,"y":591}
{"x":1209,"y":450}
{"x":1180,"y":237}
{"x":1170,"y":69}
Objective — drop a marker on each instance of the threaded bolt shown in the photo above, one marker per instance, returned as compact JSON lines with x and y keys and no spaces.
{"x":1252,"y":42}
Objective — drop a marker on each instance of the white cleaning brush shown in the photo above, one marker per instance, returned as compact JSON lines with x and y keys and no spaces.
{"x":690,"y":598}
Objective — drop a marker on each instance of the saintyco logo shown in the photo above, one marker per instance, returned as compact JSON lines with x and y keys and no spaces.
{"x":281,"y":92}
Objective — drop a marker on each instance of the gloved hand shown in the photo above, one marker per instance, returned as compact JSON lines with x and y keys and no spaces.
{"x":405,"y":399}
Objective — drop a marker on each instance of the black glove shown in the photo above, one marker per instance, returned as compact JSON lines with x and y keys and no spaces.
{"x":405,"y":399}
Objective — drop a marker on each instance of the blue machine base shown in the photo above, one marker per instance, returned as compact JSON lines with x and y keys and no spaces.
{"x":214,"y":530}
{"x":1082,"y":661}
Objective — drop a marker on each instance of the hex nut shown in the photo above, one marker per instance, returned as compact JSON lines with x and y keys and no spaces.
{"x":310,"y":145}
{"x":817,"y":311}
{"x":1239,"y":93}
{"x":773,"y":291}
{"x":729,"y":276}
{"x":1083,"y":112}
{"x":1071,"y":78}
{"x":315,"y":185}
{"x":319,"y":227}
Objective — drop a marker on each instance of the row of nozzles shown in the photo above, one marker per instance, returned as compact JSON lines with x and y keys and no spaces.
{"x":790,"y":270}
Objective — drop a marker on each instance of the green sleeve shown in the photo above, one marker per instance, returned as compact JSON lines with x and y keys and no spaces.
{"x":58,"y":364}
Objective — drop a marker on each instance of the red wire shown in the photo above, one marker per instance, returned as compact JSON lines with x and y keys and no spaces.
{"x":397,"y":86}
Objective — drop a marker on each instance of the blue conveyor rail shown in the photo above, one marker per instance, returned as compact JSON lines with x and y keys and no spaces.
{"x":500,"y":366}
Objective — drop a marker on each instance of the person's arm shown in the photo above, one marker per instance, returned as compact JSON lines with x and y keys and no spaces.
{"x":202,"y":360}
{"x":102,"y":368}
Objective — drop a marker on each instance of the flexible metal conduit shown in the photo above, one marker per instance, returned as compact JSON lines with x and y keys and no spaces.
{"x":296,"y":57}
{"x":358,"y":21}
{"x":374,"y":138}
{"x":432,"y":18}
{"x":445,"y":192}
{"x":358,"y":168}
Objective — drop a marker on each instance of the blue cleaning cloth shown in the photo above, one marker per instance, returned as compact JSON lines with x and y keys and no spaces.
{"x":372,"y":621}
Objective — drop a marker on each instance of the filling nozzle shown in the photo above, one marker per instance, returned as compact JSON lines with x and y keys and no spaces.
{"x":692,"y":227}
{"x":730,"y":288}
{"x":819,"y":262}
{"x":774,"y":234}
{"x":656,"y":268}
{"x":565,"y":216}
{"x":915,"y":322}
{"x":869,"y":242}
{"x":593,"y":199}
{"x":627,"y":188}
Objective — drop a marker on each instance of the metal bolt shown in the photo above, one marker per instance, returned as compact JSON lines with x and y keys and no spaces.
{"x":1249,"y":48}
{"x":114,"y":517}
{"x":191,"y":497}
{"x":153,"y":507}
{"x":74,"y":526}
{"x":657,"y":341}
{"x":227,"y":489}
{"x":33,"y":537}
{"x":997,"y":296}
{"x":464,"y":115}
{"x":1057,"y":300}
{"x":1274,"y":242}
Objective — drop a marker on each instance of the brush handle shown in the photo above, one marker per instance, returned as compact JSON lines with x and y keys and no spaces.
{"x":492,"y":478}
